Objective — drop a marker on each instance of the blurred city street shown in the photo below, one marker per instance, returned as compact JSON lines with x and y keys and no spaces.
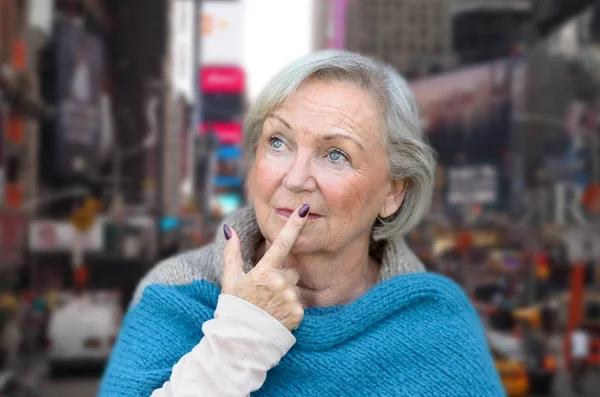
{"x":121,"y":145}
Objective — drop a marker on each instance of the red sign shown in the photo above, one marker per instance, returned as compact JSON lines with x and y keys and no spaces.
{"x":13,"y":227}
{"x":13,"y":196}
{"x":227,"y":133}
{"x":222,"y":80}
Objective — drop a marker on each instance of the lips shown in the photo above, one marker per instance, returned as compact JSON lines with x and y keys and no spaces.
{"x":287,"y":212}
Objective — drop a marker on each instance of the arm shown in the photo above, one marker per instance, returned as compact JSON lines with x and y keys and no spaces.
{"x":162,"y":348}
{"x":239,"y":346}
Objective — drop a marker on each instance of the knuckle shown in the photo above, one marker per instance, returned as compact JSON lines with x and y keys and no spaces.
{"x":292,"y":273}
{"x":289,"y":295}
{"x":298,"y":312}
{"x":278,"y":283}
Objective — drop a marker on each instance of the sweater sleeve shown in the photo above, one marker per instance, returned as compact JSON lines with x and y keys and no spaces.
{"x":239,"y":346}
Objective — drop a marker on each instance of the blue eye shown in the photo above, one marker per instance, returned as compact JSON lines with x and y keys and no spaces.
{"x":276,"y":143}
{"x":336,"y":156}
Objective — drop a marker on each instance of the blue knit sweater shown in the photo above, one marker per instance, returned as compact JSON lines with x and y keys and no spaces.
{"x":413,"y":335}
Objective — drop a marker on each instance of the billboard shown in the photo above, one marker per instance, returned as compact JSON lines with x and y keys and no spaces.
{"x":80,"y":69}
{"x":50,"y":236}
{"x":219,"y":170}
{"x":221,"y":33}
{"x":467,"y":117}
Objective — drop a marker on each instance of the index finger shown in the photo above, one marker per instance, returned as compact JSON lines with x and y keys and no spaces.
{"x":284,"y":242}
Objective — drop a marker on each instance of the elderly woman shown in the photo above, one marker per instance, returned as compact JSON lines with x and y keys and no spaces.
{"x":311,"y":291}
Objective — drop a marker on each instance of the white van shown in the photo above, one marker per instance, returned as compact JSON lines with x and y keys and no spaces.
{"x":83,"y":332}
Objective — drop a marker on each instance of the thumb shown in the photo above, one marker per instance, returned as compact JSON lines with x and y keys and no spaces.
{"x":233,"y":265}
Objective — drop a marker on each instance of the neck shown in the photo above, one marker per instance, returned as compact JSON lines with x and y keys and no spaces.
{"x":332,"y":279}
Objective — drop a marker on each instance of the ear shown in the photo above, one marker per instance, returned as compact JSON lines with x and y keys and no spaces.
{"x":394,"y":198}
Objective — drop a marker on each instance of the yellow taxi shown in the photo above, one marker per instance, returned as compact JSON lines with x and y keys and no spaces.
{"x":513,"y":375}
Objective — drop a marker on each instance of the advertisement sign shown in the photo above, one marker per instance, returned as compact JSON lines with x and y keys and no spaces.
{"x":48,"y":236}
{"x":222,"y":80}
{"x":229,"y":167}
{"x":221,"y":33}
{"x":476,"y":184}
{"x":80,"y":78}
{"x":13,"y":227}
{"x":226,"y":133}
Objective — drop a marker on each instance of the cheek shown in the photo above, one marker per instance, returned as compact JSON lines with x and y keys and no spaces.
{"x":266,"y":176}
{"x":352,"y":195}
{"x":348,"y":195}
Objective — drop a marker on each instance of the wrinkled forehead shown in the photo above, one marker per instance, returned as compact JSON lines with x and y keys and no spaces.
{"x":336,"y":104}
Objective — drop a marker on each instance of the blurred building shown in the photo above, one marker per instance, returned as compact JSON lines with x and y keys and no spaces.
{"x":400,"y":32}
{"x":20,"y":110}
{"x":422,"y":37}
{"x":95,"y":98}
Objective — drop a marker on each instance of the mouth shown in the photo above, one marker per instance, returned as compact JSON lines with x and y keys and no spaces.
{"x":286,"y":213}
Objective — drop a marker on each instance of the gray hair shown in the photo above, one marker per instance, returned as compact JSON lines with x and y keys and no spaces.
{"x":409,"y":158}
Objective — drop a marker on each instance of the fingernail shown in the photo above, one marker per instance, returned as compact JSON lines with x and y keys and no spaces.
{"x":303,"y":211}
{"x":227,"y":232}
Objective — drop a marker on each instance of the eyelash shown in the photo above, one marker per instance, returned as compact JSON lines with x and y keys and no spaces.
{"x":272,"y":139}
{"x":340,"y":153}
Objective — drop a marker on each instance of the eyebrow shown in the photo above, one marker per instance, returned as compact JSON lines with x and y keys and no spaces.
{"x":327,"y":137}
{"x":275,"y":116}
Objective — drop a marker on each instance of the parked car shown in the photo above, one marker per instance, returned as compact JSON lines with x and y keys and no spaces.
{"x":81,"y":334}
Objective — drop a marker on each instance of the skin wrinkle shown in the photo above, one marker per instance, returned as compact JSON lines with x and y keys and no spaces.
{"x":331,"y":254}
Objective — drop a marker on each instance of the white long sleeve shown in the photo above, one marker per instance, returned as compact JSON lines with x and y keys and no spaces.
{"x":239,"y":346}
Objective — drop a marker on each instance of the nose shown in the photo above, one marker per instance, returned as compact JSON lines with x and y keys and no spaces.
{"x":299,"y":178}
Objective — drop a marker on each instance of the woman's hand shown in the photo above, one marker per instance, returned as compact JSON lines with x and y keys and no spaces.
{"x":268,"y":285}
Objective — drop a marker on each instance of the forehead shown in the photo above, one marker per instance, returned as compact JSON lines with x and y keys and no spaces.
{"x":332,"y":104}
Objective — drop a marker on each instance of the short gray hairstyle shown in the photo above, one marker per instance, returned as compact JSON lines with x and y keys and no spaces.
{"x":410,"y":157}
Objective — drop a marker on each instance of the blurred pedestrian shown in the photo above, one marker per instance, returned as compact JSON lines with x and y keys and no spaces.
{"x":580,"y":350}
{"x":548,"y":316}
{"x":10,"y":340}
{"x":533,"y":346}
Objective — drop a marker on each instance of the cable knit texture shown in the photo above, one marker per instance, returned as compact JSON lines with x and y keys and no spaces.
{"x":413,"y":334}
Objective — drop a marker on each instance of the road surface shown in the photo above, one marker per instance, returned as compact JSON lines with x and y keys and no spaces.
{"x":74,"y":387}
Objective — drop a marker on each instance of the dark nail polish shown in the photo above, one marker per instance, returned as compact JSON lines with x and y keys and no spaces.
{"x":303,"y":211}
{"x":227,"y":232}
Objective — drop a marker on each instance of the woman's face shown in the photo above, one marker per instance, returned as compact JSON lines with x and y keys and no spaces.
{"x":323,"y":147}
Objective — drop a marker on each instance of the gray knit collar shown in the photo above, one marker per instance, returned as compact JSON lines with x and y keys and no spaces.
{"x":393,"y":254}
